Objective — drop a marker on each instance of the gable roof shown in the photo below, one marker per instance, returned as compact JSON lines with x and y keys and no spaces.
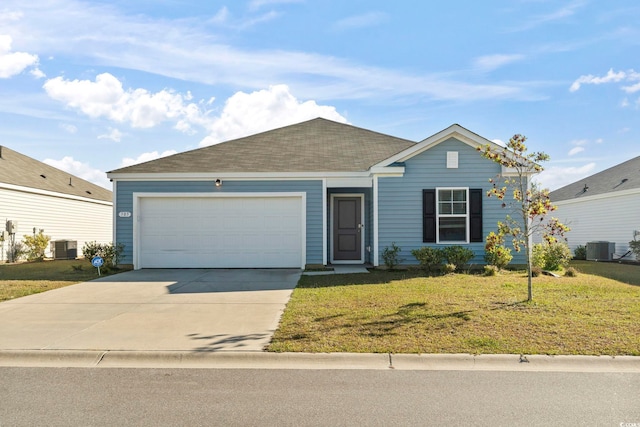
{"x":20,"y":170}
{"x":317,"y":145}
{"x":625,"y":176}
{"x":453,"y":131}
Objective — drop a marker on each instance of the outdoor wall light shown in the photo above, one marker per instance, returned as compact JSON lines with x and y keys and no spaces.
{"x":218,"y":182}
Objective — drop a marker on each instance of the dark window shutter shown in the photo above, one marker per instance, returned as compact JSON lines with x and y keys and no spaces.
{"x":475,"y":214}
{"x":429,"y":216}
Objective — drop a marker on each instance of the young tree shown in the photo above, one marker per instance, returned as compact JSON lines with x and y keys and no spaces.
{"x":529,"y":204}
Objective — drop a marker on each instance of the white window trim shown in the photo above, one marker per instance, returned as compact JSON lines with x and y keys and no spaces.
{"x":466,"y":216}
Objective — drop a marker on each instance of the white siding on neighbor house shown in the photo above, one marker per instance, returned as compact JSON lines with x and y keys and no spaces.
{"x":610,"y":217}
{"x":61,"y":218}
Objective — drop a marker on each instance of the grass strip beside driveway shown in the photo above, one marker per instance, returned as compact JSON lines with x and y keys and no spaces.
{"x":22,"y":279}
{"x":402,"y":312}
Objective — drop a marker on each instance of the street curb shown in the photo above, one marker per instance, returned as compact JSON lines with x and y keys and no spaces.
{"x":318,"y":361}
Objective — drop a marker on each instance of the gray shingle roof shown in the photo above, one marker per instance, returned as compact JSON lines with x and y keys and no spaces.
{"x":317,"y":145}
{"x":18,"y":169}
{"x":625,"y":176}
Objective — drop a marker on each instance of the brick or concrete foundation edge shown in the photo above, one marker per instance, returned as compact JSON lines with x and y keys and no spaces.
{"x":262,"y":360}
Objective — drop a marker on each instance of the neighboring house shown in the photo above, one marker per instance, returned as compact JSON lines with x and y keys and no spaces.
{"x":602,"y":207}
{"x":37,"y":196}
{"x":314,"y":193}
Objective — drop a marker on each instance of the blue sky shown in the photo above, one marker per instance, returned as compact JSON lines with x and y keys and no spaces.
{"x":91,"y":86}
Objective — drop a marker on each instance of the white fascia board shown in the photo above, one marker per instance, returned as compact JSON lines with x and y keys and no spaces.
{"x":235,"y":176}
{"x":53,"y":194}
{"x":387,"y":170}
{"x":612,"y":194}
{"x":347,"y":182}
{"x":455,"y":130}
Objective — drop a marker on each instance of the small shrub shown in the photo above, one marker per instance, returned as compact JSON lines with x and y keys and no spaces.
{"x":580,"y":252}
{"x":112,"y":254}
{"x":390,"y":256}
{"x":449,"y":268}
{"x":536,"y":271}
{"x":571,"y":272}
{"x":634,"y":246}
{"x":557,"y":255}
{"x":499,"y":256}
{"x":490,"y":270}
{"x":16,"y":252}
{"x":495,"y":253}
{"x":537,"y":256}
{"x":458,"y":256}
{"x":429,"y":258}
{"x":36,"y":245}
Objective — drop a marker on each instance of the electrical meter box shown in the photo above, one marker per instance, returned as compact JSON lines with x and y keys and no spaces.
{"x":11,"y":227}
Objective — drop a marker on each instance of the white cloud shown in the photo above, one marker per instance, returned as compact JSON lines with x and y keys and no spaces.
{"x":13,"y":63}
{"x":146,"y":157}
{"x":360,"y":21}
{"x":137,"y":42}
{"x":114,"y":135}
{"x":37,"y":73}
{"x":575,"y":150}
{"x":249,"y":113}
{"x":68,"y":128}
{"x":556,"y":15}
{"x":556,"y":177}
{"x":492,"y":62}
{"x":81,"y":170}
{"x":611,"y":77}
{"x":224,"y":18}
{"x":632,"y":89}
{"x":105,"y":97}
{"x":257,"y":4}
{"x":579,"y":142}
{"x":599,"y":141}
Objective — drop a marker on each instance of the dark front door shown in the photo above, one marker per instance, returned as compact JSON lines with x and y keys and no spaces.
{"x":347,"y":229}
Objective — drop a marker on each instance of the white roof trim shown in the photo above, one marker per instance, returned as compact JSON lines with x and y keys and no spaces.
{"x":52,"y":194}
{"x":622,"y":193}
{"x":207,"y":176}
{"x":454,"y":130}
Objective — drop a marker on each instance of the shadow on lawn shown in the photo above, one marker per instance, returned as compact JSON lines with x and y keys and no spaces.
{"x":414,"y":313}
{"x":375,"y":277}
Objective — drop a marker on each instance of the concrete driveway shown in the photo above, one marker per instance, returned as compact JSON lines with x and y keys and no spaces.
{"x":182,"y":310}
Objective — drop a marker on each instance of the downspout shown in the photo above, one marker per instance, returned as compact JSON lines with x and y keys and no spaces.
{"x":376,"y":261}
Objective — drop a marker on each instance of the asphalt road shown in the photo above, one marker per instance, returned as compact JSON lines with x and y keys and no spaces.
{"x":252,"y":397}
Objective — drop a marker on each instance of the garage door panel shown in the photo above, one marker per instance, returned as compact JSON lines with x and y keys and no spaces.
{"x":220,"y":232}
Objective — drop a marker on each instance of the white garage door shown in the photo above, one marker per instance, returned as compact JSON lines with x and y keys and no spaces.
{"x":221,"y":232}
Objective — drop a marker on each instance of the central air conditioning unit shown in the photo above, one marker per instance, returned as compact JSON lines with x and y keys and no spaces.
{"x":600,"y":251}
{"x":64,"y":249}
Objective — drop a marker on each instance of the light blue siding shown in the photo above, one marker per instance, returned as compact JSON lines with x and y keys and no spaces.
{"x":400,"y":198}
{"x":313,"y":190}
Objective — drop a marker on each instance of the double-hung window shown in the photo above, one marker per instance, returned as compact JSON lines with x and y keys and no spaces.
{"x":452,"y":215}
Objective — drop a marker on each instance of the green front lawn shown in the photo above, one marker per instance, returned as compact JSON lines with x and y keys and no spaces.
{"x":18,"y":280}
{"x":402,"y":312}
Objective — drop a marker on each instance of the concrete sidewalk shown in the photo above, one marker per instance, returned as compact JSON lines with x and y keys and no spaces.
{"x":152,"y":310}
